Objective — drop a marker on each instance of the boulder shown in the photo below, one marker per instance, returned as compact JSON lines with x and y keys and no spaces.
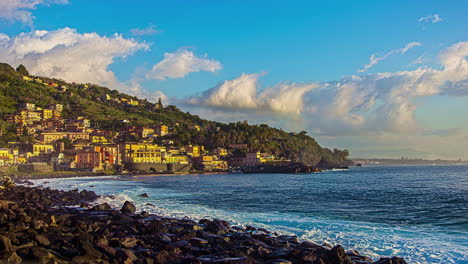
{"x":102,"y":207}
{"x":128,"y":207}
{"x":218,"y":227}
{"x":394,"y":260}
{"x":5,"y":244}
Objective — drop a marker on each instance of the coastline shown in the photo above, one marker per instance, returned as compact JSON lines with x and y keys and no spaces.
{"x":65,"y":174}
{"x":126,"y":237}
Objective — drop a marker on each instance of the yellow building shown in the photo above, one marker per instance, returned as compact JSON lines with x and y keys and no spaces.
{"x":221,"y":152}
{"x":51,"y":137}
{"x":47,"y":114}
{"x":72,"y":136}
{"x":142,"y":153}
{"x":133,"y":102}
{"x":26,"y":78}
{"x":220,"y":165}
{"x":195,"y":151}
{"x":180,"y":159}
{"x":6,"y":158}
{"x":146,"y":132}
{"x":98,"y":139}
{"x":39,"y":148}
{"x":162,"y":130}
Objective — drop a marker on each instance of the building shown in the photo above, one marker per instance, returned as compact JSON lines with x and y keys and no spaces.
{"x":108,"y":155}
{"x":47,"y":114}
{"x":162,"y":130}
{"x":40,"y":148}
{"x":6,"y":157}
{"x":141,"y":153}
{"x":145,"y":132}
{"x":237,"y":159}
{"x":176,"y":159}
{"x":222,"y":152}
{"x":29,"y":106}
{"x":51,"y":137}
{"x":194,"y":151}
{"x":72,"y":136}
{"x":85,"y":159}
{"x":252,"y":159}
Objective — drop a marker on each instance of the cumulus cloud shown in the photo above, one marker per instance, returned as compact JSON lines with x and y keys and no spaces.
{"x":148,"y":31}
{"x":20,"y":10}
{"x":242,"y":93}
{"x":377,"y":110}
{"x":355,"y":105}
{"x":373,"y":60}
{"x":71,"y":56}
{"x":181,"y":63}
{"x":434,"y":18}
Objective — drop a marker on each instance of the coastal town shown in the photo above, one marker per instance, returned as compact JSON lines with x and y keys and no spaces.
{"x":75,"y":144}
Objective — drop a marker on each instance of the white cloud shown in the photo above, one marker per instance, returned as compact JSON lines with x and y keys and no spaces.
{"x":355,"y":105}
{"x":242,"y":93}
{"x":181,"y":63}
{"x":434,"y":18}
{"x":69,"y":55}
{"x":377,"y":110}
{"x":148,"y":31}
{"x":20,"y":10}
{"x":373,"y":60}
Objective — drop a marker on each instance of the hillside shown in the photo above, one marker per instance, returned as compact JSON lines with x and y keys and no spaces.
{"x":88,"y":100}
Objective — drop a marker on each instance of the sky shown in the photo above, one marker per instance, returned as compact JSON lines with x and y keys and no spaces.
{"x":380,"y":78}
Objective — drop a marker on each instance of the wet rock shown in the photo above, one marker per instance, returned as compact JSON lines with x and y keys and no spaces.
{"x":337,"y":255}
{"x":41,"y":255}
{"x":279,"y":261}
{"x":144,"y":195}
{"x":107,"y":249}
{"x":128,"y":207}
{"x":102,"y":207}
{"x":129,"y":242}
{"x":42,"y":240}
{"x":235,"y":261}
{"x":394,"y":260}
{"x":162,"y":257}
{"x":10,"y":257}
{"x":218,"y":227}
{"x":5,"y":244}
{"x":179,"y":244}
{"x":126,"y":256}
{"x":144,"y":214}
{"x":280,"y":253}
{"x":198,"y":242}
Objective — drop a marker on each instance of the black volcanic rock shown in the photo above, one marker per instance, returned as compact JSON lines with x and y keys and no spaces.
{"x":37,"y":227}
{"x":102,"y":207}
{"x":128,"y":207}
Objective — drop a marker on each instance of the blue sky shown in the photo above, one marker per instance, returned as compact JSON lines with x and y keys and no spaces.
{"x":305,"y":51}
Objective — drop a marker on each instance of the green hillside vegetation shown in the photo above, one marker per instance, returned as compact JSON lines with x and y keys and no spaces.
{"x":108,"y":115}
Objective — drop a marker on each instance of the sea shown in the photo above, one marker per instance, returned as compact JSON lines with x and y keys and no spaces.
{"x":419,"y":213}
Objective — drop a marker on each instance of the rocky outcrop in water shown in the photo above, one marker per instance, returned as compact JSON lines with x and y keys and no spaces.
{"x":37,"y":227}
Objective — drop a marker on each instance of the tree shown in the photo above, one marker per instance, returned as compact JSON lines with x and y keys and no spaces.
{"x":22,"y":70}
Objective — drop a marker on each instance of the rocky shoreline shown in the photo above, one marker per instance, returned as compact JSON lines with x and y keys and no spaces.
{"x":46,"y":226}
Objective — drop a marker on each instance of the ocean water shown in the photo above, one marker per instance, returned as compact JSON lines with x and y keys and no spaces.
{"x":419,"y":213}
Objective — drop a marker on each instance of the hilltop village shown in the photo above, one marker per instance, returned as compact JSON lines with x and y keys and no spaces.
{"x":51,"y":125}
{"x":73,"y":144}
